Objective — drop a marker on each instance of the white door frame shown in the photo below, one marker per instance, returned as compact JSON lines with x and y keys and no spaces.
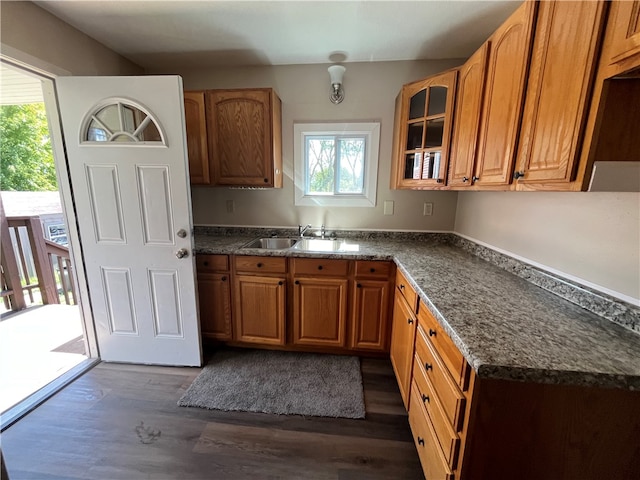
{"x":68,"y":210}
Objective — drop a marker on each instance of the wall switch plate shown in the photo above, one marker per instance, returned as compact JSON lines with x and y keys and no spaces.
{"x":428,"y":209}
{"x":230,"y":206}
{"x":388,"y":207}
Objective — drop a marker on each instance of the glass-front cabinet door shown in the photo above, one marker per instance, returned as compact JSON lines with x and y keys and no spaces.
{"x":423,"y":131}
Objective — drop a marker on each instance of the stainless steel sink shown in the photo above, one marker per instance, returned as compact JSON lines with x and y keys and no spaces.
{"x":272,"y":243}
{"x":325,"y":245}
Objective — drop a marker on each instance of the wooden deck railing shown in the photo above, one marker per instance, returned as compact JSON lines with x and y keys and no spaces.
{"x":51,"y":262}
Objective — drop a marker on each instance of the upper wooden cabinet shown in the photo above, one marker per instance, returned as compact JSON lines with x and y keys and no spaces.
{"x":464,"y":143}
{"x":244,"y":131}
{"x":509,"y":49}
{"x":234,"y":137}
{"x":196,"y":125}
{"x":422,"y":132}
{"x":562,"y":71}
{"x":624,"y":20}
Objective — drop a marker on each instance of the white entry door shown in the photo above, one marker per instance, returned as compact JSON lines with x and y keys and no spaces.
{"x":126,"y":149}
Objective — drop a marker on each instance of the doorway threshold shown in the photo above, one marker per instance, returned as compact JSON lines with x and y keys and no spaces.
{"x":19,"y":410}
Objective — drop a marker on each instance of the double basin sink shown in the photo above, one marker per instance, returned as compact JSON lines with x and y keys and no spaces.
{"x":303,"y":244}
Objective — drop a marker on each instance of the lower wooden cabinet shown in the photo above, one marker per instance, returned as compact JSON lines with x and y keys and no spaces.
{"x":297,"y":303}
{"x":214,"y":294}
{"x":319,"y":302}
{"x":402,"y":338}
{"x":319,"y":311}
{"x":370,"y":302}
{"x":260,"y":309}
{"x":260,"y":300}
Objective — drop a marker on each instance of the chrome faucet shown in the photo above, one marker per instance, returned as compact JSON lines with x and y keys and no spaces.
{"x":302,"y":229}
{"x":322,"y":231}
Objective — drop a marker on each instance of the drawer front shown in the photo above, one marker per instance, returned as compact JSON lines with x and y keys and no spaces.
{"x":261,"y":264}
{"x":433,"y":462}
{"x":407,"y":291}
{"x":447,"y":437}
{"x":320,"y":266}
{"x":373,"y":269}
{"x":447,"y":391}
{"x":212,"y":263}
{"x":449,"y":353}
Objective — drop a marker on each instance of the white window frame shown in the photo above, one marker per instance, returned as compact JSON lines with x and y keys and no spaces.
{"x":370,"y":131}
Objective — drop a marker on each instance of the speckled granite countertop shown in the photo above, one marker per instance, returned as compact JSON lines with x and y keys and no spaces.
{"x":505,"y":326}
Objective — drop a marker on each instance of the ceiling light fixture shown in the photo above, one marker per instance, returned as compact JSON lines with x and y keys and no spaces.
{"x":337,"y":92}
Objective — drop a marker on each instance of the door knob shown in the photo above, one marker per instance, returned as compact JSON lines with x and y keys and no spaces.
{"x":182,"y":253}
{"x":181,"y":233}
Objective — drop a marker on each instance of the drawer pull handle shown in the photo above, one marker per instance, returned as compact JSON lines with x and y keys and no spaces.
{"x":425,"y":398}
{"x":224,"y":279}
{"x":319,"y":267}
{"x":259,"y":265}
{"x":372,"y":270}
{"x":428,"y":366}
{"x":409,"y":321}
{"x":432,"y":333}
{"x":402,"y":286}
{"x":421,"y":441}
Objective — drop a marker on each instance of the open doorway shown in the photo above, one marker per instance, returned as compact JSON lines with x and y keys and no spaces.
{"x":42,"y":333}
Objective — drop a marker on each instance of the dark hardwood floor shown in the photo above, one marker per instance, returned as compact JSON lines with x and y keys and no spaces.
{"x":122,"y":422}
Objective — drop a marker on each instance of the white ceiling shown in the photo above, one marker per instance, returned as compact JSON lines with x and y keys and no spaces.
{"x":165,"y":35}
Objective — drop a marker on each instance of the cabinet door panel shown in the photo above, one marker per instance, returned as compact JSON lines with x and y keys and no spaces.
{"x":370,"y":310}
{"x":625,"y":20}
{"x":504,"y":93}
{"x":467,"y":118}
{"x":558,"y":93}
{"x":259,"y":315}
{"x":214,"y":296}
{"x":320,"y":311}
{"x":402,"y":339}
{"x":196,"y":127}
{"x":240,"y":137}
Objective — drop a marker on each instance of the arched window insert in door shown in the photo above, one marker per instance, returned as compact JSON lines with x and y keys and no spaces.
{"x":121,"y":121}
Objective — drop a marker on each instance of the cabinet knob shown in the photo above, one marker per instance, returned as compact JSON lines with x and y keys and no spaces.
{"x":475,"y":179}
{"x":402,"y":286}
{"x":465,"y":179}
{"x":206,"y":264}
{"x":224,"y":279}
{"x":428,"y":366}
{"x":265,"y":180}
{"x":259,"y":265}
{"x":319,"y":267}
{"x":409,"y":321}
{"x":280,"y":282}
{"x":518,"y":175}
{"x":438,"y":180}
{"x":297,"y":282}
{"x":421,"y":441}
{"x":372,"y":270}
{"x":359,"y":285}
{"x":425,"y":398}
{"x":432,"y":333}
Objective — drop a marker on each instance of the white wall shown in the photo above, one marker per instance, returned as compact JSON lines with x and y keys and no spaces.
{"x":33,"y":36}
{"x":590,"y":236}
{"x":370,"y":90}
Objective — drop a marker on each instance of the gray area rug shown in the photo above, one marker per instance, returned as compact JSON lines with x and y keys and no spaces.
{"x":289,"y":383}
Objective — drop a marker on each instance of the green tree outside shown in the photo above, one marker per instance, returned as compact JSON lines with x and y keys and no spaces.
{"x":26,"y":158}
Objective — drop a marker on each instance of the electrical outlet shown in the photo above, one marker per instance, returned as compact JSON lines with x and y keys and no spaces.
{"x":427,"y":209}
{"x":230,"y":206}
{"x":388,"y":207}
